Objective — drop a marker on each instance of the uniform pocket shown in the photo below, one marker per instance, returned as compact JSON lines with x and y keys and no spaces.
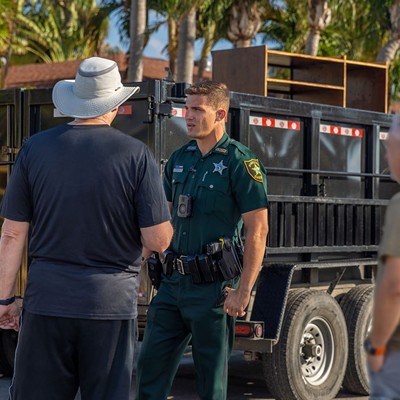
{"x":178,"y":181}
{"x":214,"y":193}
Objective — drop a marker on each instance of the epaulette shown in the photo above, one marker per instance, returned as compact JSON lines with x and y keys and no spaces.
{"x":241,"y":147}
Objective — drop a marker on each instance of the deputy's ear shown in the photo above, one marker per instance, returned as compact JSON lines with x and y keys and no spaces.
{"x":221,"y":114}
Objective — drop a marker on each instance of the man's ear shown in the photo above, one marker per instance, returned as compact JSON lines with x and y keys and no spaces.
{"x":221,"y":114}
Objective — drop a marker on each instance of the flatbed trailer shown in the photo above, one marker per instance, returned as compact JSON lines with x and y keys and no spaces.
{"x":328,"y":186}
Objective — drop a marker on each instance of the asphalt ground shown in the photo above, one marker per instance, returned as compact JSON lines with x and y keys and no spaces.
{"x":246,"y":382}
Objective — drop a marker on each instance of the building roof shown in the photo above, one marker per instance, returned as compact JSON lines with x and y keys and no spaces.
{"x":46,"y":75}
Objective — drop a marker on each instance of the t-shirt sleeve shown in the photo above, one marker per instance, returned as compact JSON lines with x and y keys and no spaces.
{"x":150,"y":202}
{"x":16,"y":204}
{"x":249,"y":184}
{"x":390,"y":242}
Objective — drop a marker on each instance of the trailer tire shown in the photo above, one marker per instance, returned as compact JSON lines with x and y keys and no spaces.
{"x":307,"y":362}
{"x":8,"y":344}
{"x":357,"y":310}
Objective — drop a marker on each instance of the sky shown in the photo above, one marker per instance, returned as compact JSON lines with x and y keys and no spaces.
{"x":158,"y":40}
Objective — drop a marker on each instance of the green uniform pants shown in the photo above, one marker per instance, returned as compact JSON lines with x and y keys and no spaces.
{"x":182,"y":311}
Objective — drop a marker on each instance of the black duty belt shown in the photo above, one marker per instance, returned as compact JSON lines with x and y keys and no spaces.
{"x":203,"y":268}
{"x":181,"y":265}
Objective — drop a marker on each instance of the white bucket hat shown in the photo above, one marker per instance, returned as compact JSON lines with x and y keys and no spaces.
{"x":96,"y":90}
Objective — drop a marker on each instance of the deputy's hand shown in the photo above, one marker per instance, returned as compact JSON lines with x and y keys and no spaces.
{"x":236,"y":302}
{"x":9,"y":316}
{"x":375,"y":362}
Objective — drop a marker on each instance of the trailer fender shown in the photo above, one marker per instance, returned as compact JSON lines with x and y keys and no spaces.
{"x":271,"y":297}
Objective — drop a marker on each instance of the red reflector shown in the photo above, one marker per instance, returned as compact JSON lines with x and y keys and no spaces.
{"x":125,"y":110}
{"x":243,"y":330}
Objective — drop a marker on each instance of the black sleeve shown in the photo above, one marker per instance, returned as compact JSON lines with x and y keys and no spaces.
{"x":150,"y":202}
{"x":17,"y":203}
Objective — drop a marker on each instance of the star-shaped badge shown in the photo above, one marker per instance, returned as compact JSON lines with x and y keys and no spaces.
{"x":219,"y":167}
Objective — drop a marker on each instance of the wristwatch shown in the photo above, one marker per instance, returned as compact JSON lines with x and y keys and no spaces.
{"x":373,"y":351}
{"x":6,"y":302}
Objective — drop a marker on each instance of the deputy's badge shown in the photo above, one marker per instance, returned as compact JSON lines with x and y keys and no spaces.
{"x":219,"y":167}
{"x":254,"y":170}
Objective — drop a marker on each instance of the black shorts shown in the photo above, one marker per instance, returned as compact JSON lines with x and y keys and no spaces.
{"x":55,"y":356}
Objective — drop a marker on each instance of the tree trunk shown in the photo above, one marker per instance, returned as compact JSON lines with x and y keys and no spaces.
{"x":319,"y":17}
{"x":244,"y":22}
{"x":137,"y":32}
{"x":206,"y":49}
{"x":313,"y":42}
{"x":187,"y":37}
{"x":243,"y":43}
{"x":388,"y":52}
{"x":173,"y":29}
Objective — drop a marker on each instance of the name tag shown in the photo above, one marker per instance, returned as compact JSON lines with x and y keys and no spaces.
{"x":178,"y":168}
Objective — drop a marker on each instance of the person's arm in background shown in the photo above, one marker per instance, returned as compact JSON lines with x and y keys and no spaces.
{"x":256,"y":231}
{"x":12,"y":241}
{"x":147,"y":252}
{"x":156,"y":238}
{"x":386,"y":310}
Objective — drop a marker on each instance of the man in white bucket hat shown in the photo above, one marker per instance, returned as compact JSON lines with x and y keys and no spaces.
{"x":91,"y":197}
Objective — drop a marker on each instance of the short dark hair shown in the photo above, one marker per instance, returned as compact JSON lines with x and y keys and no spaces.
{"x":217,"y":93}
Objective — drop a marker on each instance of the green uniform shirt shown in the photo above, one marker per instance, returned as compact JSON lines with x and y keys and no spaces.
{"x":223,"y":184}
{"x":390,"y":246}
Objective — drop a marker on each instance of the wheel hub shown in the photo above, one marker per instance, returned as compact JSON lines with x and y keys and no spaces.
{"x":316,"y":351}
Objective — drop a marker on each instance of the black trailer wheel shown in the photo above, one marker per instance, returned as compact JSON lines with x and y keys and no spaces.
{"x":307,"y":362}
{"x":357,"y":309}
{"x":8,"y":344}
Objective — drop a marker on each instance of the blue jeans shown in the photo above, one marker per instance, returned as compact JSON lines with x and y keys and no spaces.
{"x":385,"y":384}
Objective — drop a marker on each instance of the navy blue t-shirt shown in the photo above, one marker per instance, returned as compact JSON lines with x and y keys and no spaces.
{"x":86,"y":190}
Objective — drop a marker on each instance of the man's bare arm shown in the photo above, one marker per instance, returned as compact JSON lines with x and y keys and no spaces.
{"x":12,"y":241}
{"x":157,"y":238}
{"x":256,"y":228}
{"x":386,"y":312}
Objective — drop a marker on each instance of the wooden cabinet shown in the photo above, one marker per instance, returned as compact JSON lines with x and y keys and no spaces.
{"x":327,"y":80}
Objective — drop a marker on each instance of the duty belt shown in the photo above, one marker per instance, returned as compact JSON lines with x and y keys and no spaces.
{"x":222,"y":264}
{"x":181,"y":265}
{"x":202,"y":268}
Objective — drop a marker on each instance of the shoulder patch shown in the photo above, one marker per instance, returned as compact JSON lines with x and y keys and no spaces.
{"x":253,"y":169}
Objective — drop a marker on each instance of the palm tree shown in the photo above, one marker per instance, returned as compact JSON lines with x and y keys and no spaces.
{"x":286,"y":25}
{"x":318,"y":18}
{"x":357,"y":29}
{"x":63,"y":30}
{"x":137,"y":37}
{"x":244,"y":22}
{"x":187,"y":37}
{"x":389,"y":50}
{"x":212,"y":25}
{"x":172,"y":11}
{"x":10,"y":13}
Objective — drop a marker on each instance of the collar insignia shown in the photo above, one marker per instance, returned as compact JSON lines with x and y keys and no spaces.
{"x":221,"y":150}
{"x":219,"y":167}
{"x":253,"y":169}
{"x":191,"y":148}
